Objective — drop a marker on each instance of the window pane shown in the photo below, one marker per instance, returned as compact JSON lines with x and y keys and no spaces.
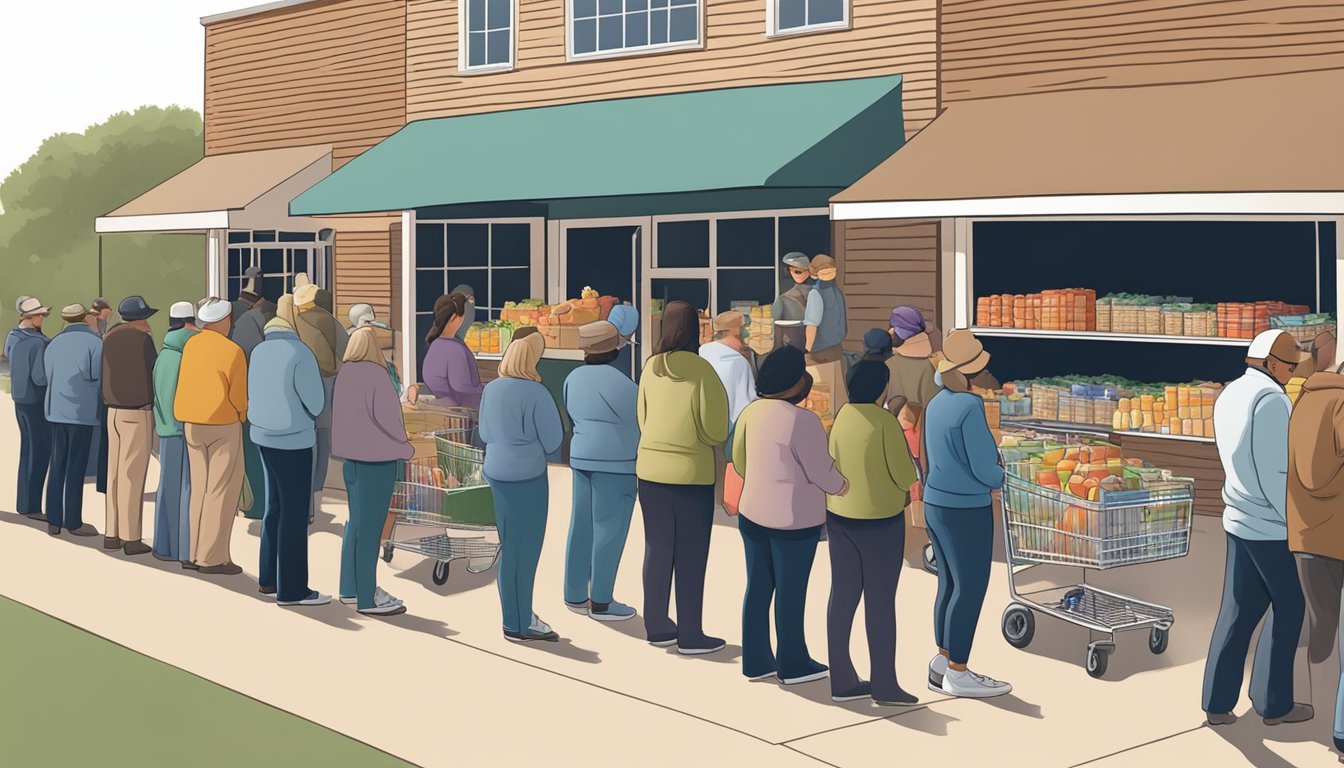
{"x":585,"y":36}
{"x":298,"y":260}
{"x":428,"y":288}
{"x":746,"y":242}
{"x":509,"y":285}
{"x":584,"y":9}
{"x":429,"y":245}
{"x":298,"y":237}
{"x":826,"y":11}
{"x":498,"y":48}
{"x":478,"y":279}
{"x":263,"y":236}
{"x":235,"y":287}
{"x":476,"y":49}
{"x":609,"y":33}
{"x":236,"y":265}
{"x":636,"y":29}
{"x":806,"y":234}
{"x":608,"y":6}
{"x":272,"y":261}
{"x":792,"y":13}
{"x":423,"y":325}
{"x":275,"y":287}
{"x":683,"y":244}
{"x":636,"y":5}
{"x":468,"y":245}
{"x":693,"y":292}
{"x":684,"y":24}
{"x":476,"y":15}
{"x":240,"y":237}
{"x":657,"y":27}
{"x":756,"y":285}
{"x":511,"y":245}
{"x":684,"y":2}
{"x":500,"y":13}
{"x":658,"y":3}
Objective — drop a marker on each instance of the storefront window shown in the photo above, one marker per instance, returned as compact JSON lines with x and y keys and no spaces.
{"x":792,"y":16}
{"x":488,"y":40}
{"x":279,"y":255}
{"x":683,"y":244}
{"x":612,"y":27}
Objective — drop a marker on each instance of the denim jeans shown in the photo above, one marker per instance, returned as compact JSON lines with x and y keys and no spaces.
{"x":963,"y":543}
{"x":369,"y":487}
{"x":598,"y":525}
{"x":284,"y":525}
{"x":70,"y":445}
{"x":34,"y":456}
{"x":779,"y":565}
{"x":172,"y":503}
{"x":520,"y":514}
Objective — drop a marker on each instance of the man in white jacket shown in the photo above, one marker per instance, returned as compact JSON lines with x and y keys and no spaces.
{"x":728,"y":354}
{"x":1250,"y":420}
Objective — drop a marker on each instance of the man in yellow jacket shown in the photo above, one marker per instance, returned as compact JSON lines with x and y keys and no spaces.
{"x":211,"y":403}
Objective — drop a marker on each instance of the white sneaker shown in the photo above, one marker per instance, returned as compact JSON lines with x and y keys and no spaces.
{"x":349,"y":600}
{"x":968,"y":685}
{"x":313,"y":598}
{"x":937,"y":670}
{"x":538,"y":627}
{"x":381,"y":595}
{"x":384,"y":605}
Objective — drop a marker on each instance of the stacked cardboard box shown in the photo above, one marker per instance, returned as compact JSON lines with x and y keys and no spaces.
{"x":1071,"y":309}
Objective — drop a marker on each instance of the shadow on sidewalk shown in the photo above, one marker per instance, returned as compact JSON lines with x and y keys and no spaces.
{"x":460,"y":580}
{"x":1249,"y":735}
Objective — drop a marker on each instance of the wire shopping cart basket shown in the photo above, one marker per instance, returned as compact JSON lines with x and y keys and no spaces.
{"x":447,"y":494}
{"x":1048,"y":526}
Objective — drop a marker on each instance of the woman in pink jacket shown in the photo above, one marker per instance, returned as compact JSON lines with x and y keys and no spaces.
{"x":781,"y":452}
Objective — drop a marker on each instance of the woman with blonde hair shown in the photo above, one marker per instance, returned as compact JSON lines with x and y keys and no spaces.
{"x":520,"y":425}
{"x":369,"y":434}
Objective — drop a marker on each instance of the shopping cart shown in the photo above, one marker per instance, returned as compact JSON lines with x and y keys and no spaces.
{"x":1048,"y":526}
{"x":447,"y":494}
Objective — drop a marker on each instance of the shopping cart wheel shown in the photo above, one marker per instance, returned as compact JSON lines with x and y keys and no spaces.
{"x":1019,"y":625}
{"x":1157,"y":640}
{"x":387,"y":551}
{"x":1096,"y":661}
{"x":440,"y":576}
{"x":930,"y":562}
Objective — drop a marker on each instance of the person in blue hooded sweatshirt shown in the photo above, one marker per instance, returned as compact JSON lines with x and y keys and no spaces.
{"x":961,"y":469}
{"x":28,"y":387}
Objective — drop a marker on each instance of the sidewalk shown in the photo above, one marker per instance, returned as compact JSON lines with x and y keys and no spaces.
{"x":441,"y":686}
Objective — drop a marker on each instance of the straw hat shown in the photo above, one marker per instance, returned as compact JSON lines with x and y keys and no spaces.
{"x":728,"y":321}
{"x":963,"y":352}
{"x":599,"y":337}
{"x":31,"y":305}
{"x":305,"y":294}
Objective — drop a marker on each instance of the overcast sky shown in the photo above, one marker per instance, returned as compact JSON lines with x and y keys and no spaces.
{"x":67,"y":64}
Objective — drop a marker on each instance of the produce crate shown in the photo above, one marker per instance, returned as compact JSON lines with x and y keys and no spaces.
{"x":1201,"y":322}
{"x":993,"y":414}
{"x":1104,"y":314}
{"x":1304,"y":328}
{"x":1173,"y":321}
{"x":1152,"y":320}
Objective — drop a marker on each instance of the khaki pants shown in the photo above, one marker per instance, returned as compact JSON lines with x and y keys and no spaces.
{"x":130,"y":436}
{"x":215,"y":455}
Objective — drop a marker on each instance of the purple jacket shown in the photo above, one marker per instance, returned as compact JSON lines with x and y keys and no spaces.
{"x":450,"y":373}
{"x":366,"y":423}
{"x":782,"y":453}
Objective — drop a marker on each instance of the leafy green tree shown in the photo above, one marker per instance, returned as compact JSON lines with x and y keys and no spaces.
{"x":47,"y":244}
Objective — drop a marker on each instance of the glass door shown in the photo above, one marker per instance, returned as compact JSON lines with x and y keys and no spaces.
{"x":607,"y":256}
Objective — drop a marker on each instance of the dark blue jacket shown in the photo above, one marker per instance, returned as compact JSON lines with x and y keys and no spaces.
{"x":27,"y":372}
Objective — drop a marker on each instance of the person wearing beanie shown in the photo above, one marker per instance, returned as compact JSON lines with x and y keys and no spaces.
{"x":867,"y":531}
{"x":318,"y":329}
{"x":73,"y":368}
{"x":129,"y":356}
{"x":683,"y":413}
{"x":172,"y":502}
{"x":961,"y":468}
{"x":779,"y":449}
{"x":285,"y":397}
{"x":211,"y":403}
{"x":728,"y":354}
{"x":600,"y":402}
{"x":28,"y":389}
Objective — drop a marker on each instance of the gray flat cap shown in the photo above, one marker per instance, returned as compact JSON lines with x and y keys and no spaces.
{"x":799,"y":260}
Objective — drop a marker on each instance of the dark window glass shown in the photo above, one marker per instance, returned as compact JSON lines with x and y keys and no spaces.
{"x":236,"y":265}
{"x":637,"y":29}
{"x":500,"y":13}
{"x":683,"y":243}
{"x":275,"y":286}
{"x":476,"y":16}
{"x":792,"y":14}
{"x":605,"y":7}
{"x":478,"y":279}
{"x":585,"y":8}
{"x":658,"y":3}
{"x":428,"y":288}
{"x":429,"y":245}
{"x":468,"y":245}
{"x":657,"y":26}
{"x":746,"y":242}
{"x":298,"y":237}
{"x":235,"y":287}
{"x":756,"y":285}
{"x":263,"y":236}
{"x":511,"y":245}
{"x":692,"y":291}
{"x":509,"y":285}
{"x":240,"y":237}
{"x":476,"y":49}
{"x":826,"y":11}
{"x":609,"y":33}
{"x":298,"y":260}
{"x":497,"y":50}
{"x":585,"y":35}
{"x":273,"y":261}
{"x":424,"y":323}
{"x":685,"y":24}
{"x":636,"y":5}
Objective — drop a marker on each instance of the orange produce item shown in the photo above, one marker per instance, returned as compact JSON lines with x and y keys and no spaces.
{"x":1048,"y":478}
{"x":1078,"y":486}
{"x":1067,"y":465}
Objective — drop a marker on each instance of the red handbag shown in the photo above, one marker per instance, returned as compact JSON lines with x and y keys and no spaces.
{"x":732,"y":489}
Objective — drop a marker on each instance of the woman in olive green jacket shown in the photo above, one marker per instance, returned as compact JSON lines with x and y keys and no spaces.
{"x":682,"y":413}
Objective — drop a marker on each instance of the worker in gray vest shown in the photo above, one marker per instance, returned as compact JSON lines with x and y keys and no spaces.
{"x":792,"y":304}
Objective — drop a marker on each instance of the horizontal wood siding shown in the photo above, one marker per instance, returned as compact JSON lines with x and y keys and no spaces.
{"x":994,"y":48}
{"x":364,"y":272}
{"x":888,"y":37}
{"x":886,"y":263}
{"x":324,"y":73}
{"x":1197,"y":461}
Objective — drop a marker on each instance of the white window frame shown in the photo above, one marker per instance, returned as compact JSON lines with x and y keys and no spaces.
{"x":644,"y":50}
{"x":772,"y":22}
{"x":317,"y":271}
{"x":464,"y":38}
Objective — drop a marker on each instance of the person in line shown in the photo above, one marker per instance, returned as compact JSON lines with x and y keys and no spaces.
{"x":1316,"y":515}
{"x":128,"y":389}
{"x":520,"y":426}
{"x":626,"y":319}
{"x":791,"y":306}
{"x":369,"y":435}
{"x":172,"y":503}
{"x":825,"y":325}
{"x":363,"y":316}
{"x":13,"y":335}
{"x":327,"y":339}
{"x":469,"y":309}
{"x":249,"y":329}
{"x":867,"y":528}
{"x":1251,"y":429}
{"x":600,"y":401}
{"x":912,"y":385}
{"x":683,"y":413}
{"x":779,"y":449}
{"x":102,"y":312}
{"x":285,"y":397}
{"x":211,"y":403}
{"x":28,"y":388}
{"x":450,"y":367}
{"x":962,"y":468}
{"x":247,"y":297}
{"x":728,"y":354}
{"x":73,"y":365}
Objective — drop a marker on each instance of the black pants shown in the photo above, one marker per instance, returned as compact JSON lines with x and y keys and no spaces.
{"x":101,"y":480}
{"x":677,"y":523}
{"x":284,"y":524}
{"x":866,"y":560}
{"x":34,"y":456}
{"x":70,"y":444}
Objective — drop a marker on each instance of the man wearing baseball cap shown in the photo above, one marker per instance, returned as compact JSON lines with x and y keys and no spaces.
{"x":73,"y":368}
{"x":128,"y":390}
{"x":1250,"y":422}
{"x":28,"y":387}
{"x":792,"y":303}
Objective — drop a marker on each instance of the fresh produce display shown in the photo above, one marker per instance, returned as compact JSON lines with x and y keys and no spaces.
{"x":526,"y":312}
{"x":1126,"y":406}
{"x":489,"y":338}
{"x":1070,"y":309}
{"x":1304,"y":328}
{"x":1245,"y":321}
{"x":559,"y":324}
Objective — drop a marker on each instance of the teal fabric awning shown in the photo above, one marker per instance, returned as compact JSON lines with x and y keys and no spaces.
{"x":822,"y":135}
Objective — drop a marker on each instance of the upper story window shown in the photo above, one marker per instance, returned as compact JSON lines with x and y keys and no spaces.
{"x":600,"y":28}
{"x":487,"y":36}
{"x":791,"y":17}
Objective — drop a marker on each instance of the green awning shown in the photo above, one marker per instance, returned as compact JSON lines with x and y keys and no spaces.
{"x":799,"y":136}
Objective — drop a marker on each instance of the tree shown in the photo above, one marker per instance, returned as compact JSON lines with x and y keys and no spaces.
{"x":47,"y":244}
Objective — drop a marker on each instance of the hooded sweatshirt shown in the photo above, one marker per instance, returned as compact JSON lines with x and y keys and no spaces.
{"x":27,"y":370}
{"x":734,"y":370}
{"x":963,"y":461}
{"x":284,"y":393}
{"x":1316,"y":468}
{"x":601,"y":405}
{"x":683,"y":414}
{"x":1250,"y":424}
{"x":166,"y":369}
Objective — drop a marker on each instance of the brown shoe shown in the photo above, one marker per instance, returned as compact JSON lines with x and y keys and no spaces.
{"x":137,"y":547}
{"x":111,"y":542}
{"x":227,"y":569}
{"x":84,"y":530}
{"x":187,"y":565}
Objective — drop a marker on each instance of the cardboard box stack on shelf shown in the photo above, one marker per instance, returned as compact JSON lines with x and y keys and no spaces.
{"x":762,"y":338}
{"x":1071,"y":309}
{"x":1245,"y":321}
{"x":561,"y":326}
{"x":1304,"y":328}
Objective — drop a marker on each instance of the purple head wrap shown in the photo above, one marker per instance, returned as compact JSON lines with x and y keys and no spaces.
{"x":906,"y":321}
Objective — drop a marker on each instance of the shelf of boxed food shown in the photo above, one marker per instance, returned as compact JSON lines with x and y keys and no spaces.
{"x":1108,"y":404}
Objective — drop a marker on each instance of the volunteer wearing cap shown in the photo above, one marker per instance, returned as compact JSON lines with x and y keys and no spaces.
{"x":727,"y":354}
{"x":327,"y":339}
{"x":128,"y":389}
{"x":73,"y":364}
{"x":172,"y":503}
{"x":28,"y":387}
{"x":961,"y":469}
{"x":469,"y":311}
{"x":1250,"y":425}
{"x":211,"y":403}
{"x":600,"y":401}
{"x":791,"y":305}
{"x":825,"y":324}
